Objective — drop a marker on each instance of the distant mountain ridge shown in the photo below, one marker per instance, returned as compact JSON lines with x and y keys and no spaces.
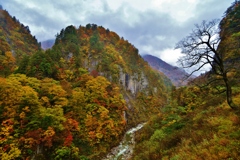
{"x":175,"y":74}
{"x":47,"y":44}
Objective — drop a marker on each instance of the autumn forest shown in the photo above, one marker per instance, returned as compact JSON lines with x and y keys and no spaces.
{"x":77,"y":99}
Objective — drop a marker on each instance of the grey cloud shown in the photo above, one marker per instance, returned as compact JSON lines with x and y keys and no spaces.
{"x":143,"y":32}
{"x":141,"y":29}
{"x":213,"y":9}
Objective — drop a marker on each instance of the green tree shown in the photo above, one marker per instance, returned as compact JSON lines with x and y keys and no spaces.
{"x":23,"y":64}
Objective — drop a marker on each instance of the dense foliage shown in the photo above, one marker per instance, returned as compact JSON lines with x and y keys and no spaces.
{"x":230,"y":38}
{"x":76,"y":100}
{"x":69,"y":102}
{"x":15,"y":37}
{"x":198,"y":122}
{"x":98,"y":51}
{"x":40,"y":118}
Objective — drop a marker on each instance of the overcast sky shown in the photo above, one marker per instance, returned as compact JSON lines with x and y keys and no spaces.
{"x":152,"y":26}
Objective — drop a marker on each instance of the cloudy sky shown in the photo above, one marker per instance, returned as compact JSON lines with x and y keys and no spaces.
{"x":153,"y":26}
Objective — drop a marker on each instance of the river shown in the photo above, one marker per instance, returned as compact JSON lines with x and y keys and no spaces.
{"x":125,"y":149}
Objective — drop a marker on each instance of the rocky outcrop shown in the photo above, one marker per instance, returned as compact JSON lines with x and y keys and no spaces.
{"x":133,"y":83}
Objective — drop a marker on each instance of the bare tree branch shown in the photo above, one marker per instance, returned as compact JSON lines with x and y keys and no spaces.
{"x":200,"y":49}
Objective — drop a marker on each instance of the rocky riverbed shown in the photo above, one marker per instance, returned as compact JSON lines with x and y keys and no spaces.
{"x":125,"y":149}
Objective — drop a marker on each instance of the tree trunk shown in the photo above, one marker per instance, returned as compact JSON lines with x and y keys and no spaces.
{"x":229,"y":93}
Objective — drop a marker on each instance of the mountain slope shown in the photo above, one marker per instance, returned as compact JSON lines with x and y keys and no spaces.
{"x":102,"y":52}
{"x":199,"y":123}
{"x":15,"y":37}
{"x":175,"y":74}
{"x":15,"y":42}
{"x":230,"y":35}
{"x":76,"y":100}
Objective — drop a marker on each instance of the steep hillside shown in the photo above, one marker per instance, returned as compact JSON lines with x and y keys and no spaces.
{"x":15,"y":41}
{"x":175,"y":74}
{"x":101,"y":52}
{"x":230,"y":36}
{"x":198,"y":123}
{"x":15,"y":37}
{"x":76,"y":100}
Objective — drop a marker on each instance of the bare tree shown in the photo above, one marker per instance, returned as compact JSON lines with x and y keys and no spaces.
{"x":200,"y":49}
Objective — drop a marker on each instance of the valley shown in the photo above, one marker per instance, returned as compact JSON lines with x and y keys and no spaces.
{"x":90,"y":95}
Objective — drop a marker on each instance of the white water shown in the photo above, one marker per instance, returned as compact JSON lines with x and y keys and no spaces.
{"x":125,"y":148}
